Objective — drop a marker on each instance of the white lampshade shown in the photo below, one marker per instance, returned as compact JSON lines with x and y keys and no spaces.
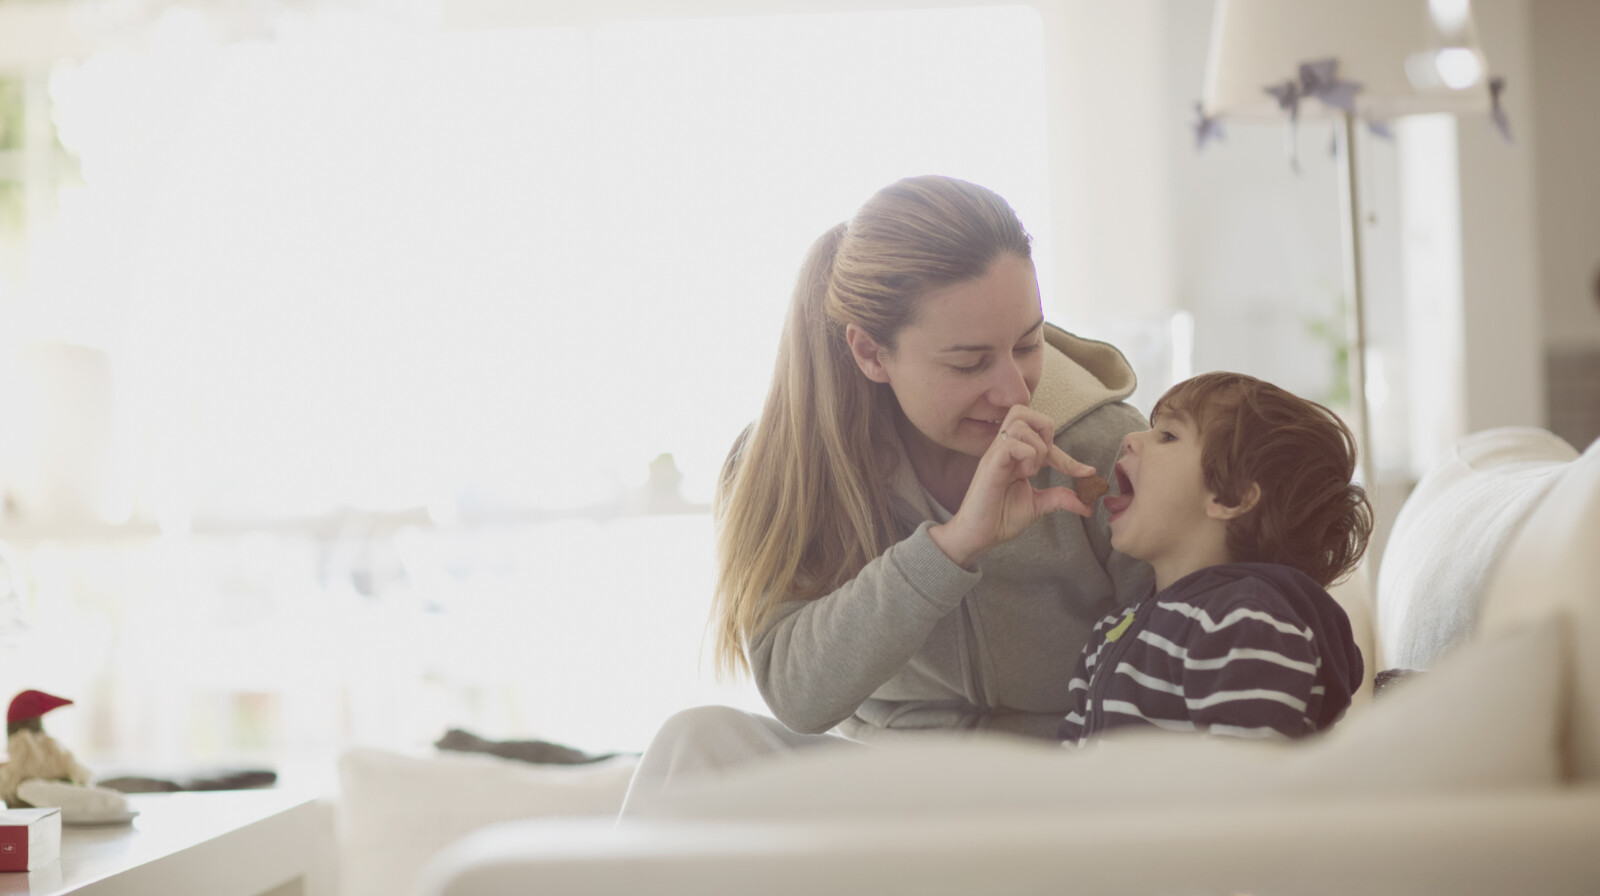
{"x":1406,"y":54}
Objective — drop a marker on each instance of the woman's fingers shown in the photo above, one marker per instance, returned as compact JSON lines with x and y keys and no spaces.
{"x":1000,"y":501}
{"x":1028,"y":427}
{"x":1025,"y":449}
{"x":1015,"y":456}
{"x":1024,"y":424}
{"x":1022,"y":418}
{"x":1070,"y":465}
{"x":1019,"y":502}
{"x":1060,"y":497}
{"x":1019,"y":458}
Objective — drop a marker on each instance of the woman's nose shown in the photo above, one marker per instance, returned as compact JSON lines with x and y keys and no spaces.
{"x":1010,"y":386}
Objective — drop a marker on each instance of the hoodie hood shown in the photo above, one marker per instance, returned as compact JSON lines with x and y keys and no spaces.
{"x":1080,"y":375}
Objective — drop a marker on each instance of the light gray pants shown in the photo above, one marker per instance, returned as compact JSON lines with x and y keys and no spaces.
{"x":707,"y":741}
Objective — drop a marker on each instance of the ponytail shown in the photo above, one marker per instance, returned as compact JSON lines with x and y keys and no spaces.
{"x":798,"y":512}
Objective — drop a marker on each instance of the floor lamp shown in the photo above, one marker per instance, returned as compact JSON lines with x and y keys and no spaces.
{"x":1358,"y":63}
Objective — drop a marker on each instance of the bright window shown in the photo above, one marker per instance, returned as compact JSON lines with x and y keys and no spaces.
{"x":498,"y":268}
{"x":398,"y":327}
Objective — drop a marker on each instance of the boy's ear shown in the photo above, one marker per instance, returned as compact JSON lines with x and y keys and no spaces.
{"x":867,"y":352}
{"x":1220,"y":511}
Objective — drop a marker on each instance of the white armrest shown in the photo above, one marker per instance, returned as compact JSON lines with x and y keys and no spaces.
{"x":396,"y":809}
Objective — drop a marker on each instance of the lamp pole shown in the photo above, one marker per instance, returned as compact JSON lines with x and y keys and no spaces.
{"x":1355,"y":310}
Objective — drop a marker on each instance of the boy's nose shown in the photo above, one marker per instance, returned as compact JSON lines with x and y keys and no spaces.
{"x":1132,"y":441}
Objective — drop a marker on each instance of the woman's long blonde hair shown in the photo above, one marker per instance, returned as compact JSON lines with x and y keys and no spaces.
{"x":803,"y":501}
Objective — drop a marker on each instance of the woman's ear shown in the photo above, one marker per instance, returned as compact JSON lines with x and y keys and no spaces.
{"x":867,"y":352}
{"x":1220,"y":511}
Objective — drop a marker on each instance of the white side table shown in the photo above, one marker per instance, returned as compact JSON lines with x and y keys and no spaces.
{"x":217,"y":843}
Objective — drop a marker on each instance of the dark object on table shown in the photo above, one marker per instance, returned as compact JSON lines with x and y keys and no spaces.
{"x":1388,"y":678}
{"x":212,"y":779}
{"x":540,"y":751}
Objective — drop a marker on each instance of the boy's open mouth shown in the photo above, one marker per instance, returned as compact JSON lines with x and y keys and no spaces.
{"x":1119,"y":502}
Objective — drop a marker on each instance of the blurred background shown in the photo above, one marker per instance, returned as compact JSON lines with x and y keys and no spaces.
{"x":367,"y":365}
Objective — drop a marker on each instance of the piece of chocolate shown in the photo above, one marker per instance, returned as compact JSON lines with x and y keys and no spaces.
{"x":1091,"y":489}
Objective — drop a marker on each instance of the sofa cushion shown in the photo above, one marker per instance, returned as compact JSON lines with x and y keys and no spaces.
{"x":1450,"y":534}
{"x":396,"y":810}
{"x":1435,"y":735}
{"x":1354,"y":596}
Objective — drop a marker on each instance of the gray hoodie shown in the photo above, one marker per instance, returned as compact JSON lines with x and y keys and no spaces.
{"x":914,"y":641}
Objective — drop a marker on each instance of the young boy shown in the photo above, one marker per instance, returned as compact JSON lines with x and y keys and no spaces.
{"x":1239,"y":497}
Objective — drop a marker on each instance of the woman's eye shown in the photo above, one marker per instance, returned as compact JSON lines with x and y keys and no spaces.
{"x":1030,"y":348}
{"x":973,"y":368}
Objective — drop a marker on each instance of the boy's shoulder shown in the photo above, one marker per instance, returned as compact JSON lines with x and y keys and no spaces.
{"x":1241,"y":579}
{"x":1270,"y":587}
{"x":1215,"y":598}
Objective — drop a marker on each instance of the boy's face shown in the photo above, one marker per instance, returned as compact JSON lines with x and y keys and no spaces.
{"x":1163,"y":512}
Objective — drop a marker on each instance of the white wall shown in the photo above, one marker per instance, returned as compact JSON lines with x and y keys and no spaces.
{"x":1110,"y":137}
{"x":1256,"y":246}
{"x":1563,"y":35}
{"x":1504,"y":344}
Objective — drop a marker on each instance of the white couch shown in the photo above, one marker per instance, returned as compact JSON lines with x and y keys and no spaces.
{"x":1478,"y":774}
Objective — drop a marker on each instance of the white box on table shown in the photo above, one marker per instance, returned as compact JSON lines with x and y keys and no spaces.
{"x":29,"y":838}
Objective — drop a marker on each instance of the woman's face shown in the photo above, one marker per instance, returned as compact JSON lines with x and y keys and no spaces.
{"x":975,"y":349}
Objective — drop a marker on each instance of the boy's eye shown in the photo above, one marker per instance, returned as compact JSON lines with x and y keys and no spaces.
{"x":1168,"y":436}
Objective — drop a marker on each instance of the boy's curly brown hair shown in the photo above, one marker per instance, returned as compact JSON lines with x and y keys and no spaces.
{"x":1310,"y":515}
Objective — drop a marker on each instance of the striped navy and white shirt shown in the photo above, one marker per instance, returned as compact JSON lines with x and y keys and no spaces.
{"x":1241,"y":649}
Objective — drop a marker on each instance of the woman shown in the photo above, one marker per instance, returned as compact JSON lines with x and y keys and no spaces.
{"x":891,"y":555}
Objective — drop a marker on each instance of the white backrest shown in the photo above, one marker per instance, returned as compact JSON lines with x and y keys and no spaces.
{"x":1450,"y":535}
{"x":1552,"y":567}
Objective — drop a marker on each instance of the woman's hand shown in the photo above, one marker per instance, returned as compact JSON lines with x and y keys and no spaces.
{"x":1001,"y":502}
